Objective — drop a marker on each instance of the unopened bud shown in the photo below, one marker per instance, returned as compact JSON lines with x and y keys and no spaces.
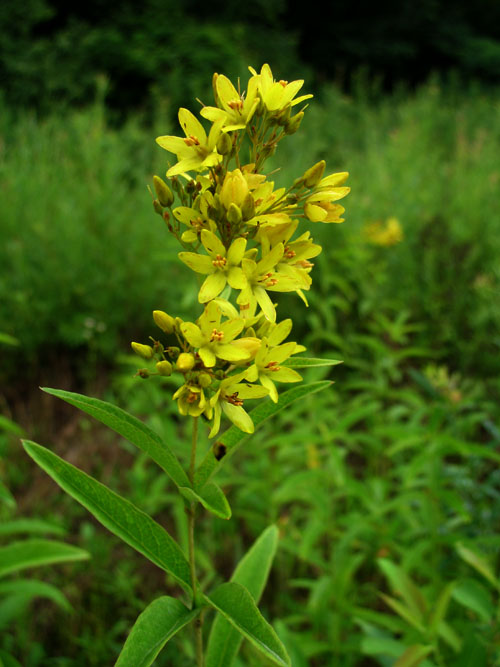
{"x":164,"y":193}
{"x":268,"y":149}
{"x":234,"y":214}
{"x":204,"y":380}
{"x":314,"y":174}
{"x":143,"y":373}
{"x":164,"y":321}
{"x":248,"y":207}
{"x":284,"y":116}
{"x":164,"y":368}
{"x":224,"y":144}
{"x":185,"y":362}
{"x":293,"y":124}
{"x":178,"y":322}
{"x":157,"y":207}
{"x":251,"y":345}
{"x":173,"y":352}
{"x":144,"y":351}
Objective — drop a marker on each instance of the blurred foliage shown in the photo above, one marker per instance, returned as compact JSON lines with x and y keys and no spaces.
{"x":51,"y":51}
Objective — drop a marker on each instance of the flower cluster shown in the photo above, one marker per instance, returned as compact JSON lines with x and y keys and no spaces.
{"x":239,"y":234}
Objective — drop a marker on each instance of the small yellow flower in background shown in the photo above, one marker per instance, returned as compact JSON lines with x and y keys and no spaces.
{"x":196,"y":151}
{"x":385,"y":233}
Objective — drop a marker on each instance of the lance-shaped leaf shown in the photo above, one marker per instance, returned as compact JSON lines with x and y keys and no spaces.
{"x":309,"y":362}
{"x":212,"y":499}
{"x":233,"y":437}
{"x":235,"y":603}
{"x":414,"y":655}
{"x":143,"y":437}
{"x":117,"y":514}
{"x":20,"y":555}
{"x":157,"y":624}
{"x":252,"y":572}
{"x":130,"y":428}
{"x":32,"y":526}
{"x":32,"y":588}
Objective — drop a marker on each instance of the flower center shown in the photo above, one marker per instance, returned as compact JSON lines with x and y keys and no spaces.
{"x":236,"y":105}
{"x":192,"y":140}
{"x":289,"y":253}
{"x":273,"y":366}
{"x":216,"y":336}
{"x":219,"y":262}
{"x":234,"y":400}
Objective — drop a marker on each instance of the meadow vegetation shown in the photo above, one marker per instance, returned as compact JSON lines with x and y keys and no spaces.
{"x":385,"y":488}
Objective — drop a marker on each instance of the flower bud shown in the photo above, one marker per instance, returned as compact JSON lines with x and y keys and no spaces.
{"x":164,"y":193}
{"x":284,"y":116}
{"x":164,"y":321}
{"x":268,"y":149}
{"x":144,"y":351}
{"x":250,"y":344}
{"x":293,"y":124}
{"x":143,"y":373}
{"x":234,"y":214}
{"x":314,"y":174}
{"x":173,"y":352}
{"x":157,"y":207}
{"x":248,"y":207}
{"x":185,"y":362}
{"x":234,"y":189}
{"x":204,"y":380}
{"x":224,"y":144}
{"x":164,"y":368}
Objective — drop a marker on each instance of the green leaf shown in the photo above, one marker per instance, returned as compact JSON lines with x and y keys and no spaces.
{"x":404,"y":612}
{"x":6,"y":496}
{"x":6,"y":339}
{"x":9,"y":426}
{"x":6,"y":660}
{"x":18,"y":556}
{"x":413,"y":655}
{"x":473,"y":595}
{"x":236,"y":604}
{"x":308,"y":362}
{"x":402,"y":585}
{"x":145,"y":439}
{"x":478,"y":564}
{"x":212,"y":499}
{"x":30,"y":526}
{"x":117,"y":514}
{"x":32,"y":588}
{"x":440,"y":608}
{"x":233,"y":437}
{"x":130,"y":428}
{"x":157,"y":624}
{"x":252,"y":573}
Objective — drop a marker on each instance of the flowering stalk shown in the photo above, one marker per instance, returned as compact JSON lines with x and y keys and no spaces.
{"x":245,"y":240}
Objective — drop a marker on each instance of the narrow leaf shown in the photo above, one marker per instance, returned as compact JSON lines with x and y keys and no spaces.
{"x":157,"y":624}
{"x":473,"y":595}
{"x":252,"y":573}
{"x":117,"y":514}
{"x":130,"y":428}
{"x":441,"y":607}
{"x":413,"y":656}
{"x":309,"y":362}
{"x":31,"y":526}
{"x":6,"y":497}
{"x":212,"y":498}
{"x":236,"y":604}
{"x":404,"y":612}
{"x":32,"y":588}
{"x":478,"y":563}
{"x":402,"y":585}
{"x":233,"y":437}
{"x":20,"y":555}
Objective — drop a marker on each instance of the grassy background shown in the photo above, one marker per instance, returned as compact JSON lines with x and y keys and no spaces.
{"x":397,"y":463}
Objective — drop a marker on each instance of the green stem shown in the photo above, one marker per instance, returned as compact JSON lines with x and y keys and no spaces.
{"x":198,"y":624}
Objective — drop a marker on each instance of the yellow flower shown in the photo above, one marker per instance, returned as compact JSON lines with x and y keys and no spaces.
{"x":235,"y":111}
{"x":191,"y":400}
{"x":277,"y":95}
{"x":220,"y":266}
{"x":212,"y":338}
{"x":271,"y":354}
{"x":234,"y":189}
{"x":261,"y":278}
{"x":196,"y":151}
{"x":384,"y":234}
{"x":229,"y":400}
{"x":318,"y":206}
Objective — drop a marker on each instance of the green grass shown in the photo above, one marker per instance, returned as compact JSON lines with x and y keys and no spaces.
{"x":397,"y":463}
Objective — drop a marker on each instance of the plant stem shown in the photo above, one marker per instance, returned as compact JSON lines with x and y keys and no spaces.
{"x":198,"y":624}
